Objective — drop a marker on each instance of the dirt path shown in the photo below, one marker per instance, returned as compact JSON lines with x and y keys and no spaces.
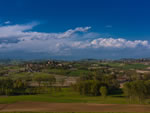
{"x":71,"y":107}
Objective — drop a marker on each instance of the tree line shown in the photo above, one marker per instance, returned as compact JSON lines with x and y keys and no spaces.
{"x":19,"y":86}
{"x":94,"y":84}
{"x":137,"y":91}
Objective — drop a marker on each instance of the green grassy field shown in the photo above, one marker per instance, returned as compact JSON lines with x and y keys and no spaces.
{"x":127,"y":66}
{"x":67,"y":72}
{"x":66,"y":96}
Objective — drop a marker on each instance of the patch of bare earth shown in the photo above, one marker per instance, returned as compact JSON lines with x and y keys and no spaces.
{"x":148,"y":68}
{"x":71,"y":107}
{"x":142,"y":71}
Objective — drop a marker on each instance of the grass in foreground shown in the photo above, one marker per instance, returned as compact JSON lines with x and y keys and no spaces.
{"x":65,"y":96}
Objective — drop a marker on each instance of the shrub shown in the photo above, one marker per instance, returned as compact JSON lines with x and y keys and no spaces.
{"x":103,"y":91}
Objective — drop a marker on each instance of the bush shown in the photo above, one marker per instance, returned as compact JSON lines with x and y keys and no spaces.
{"x":103,"y":91}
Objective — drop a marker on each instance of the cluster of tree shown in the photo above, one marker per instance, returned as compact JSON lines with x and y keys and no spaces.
{"x":9,"y":86}
{"x":19,"y":86}
{"x":91,"y":84}
{"x":137,"y":90}
{"x":45,"y":82}
{"x":44,"y":79}
{"x":89,"y":87}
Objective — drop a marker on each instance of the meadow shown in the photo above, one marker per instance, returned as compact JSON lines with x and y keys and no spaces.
{"x":67,"y":95}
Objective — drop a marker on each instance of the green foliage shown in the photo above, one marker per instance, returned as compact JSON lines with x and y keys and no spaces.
{"x":135,"y":66}
{"x":56,"y":71}
{"x":67,"y":95}
{"x":21,"y":76}
{"x":88,"y":87}
{"x":95,"y":88}
{"x":9,"y":86}
{"x":6,"y":86}
{"x":90,"y":84}
{"x":103,"y":91}
{"x":126,"y":66}
{"x":67,"y":72}
{"x":137,"y":90}
{"x":45,"y":79}
{"x":19,"y":86}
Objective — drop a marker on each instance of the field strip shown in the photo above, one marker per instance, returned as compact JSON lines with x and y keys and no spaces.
{"x":71,"y":107}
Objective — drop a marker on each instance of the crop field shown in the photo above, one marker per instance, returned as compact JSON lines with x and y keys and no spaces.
{"x":71,"y":107}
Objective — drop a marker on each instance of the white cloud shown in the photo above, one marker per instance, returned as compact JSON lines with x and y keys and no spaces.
{"x":110,"y":43}
{"x":17,"y":31}
{"x":23,"y":32}
{"x":60,"y":43}
{"x":118,"y":43}
{"x":68,"y":33}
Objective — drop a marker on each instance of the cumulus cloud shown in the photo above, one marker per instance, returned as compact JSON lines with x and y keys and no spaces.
{"x":24,"y":32}
{"x":118,"y":43}
{"x":69,"y":43}
{"x":17,"y":31}
{"x":111,"y":43}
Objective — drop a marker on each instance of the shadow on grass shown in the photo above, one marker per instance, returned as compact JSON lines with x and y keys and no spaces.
{"x":120,"y":96}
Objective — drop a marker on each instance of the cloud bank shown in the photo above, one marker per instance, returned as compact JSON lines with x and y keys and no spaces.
{"x":21,"y":40}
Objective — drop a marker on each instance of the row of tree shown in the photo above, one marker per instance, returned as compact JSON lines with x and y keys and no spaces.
{"x":19,"y":86}
{"x":92,"y":83}
{"x":137,"y":91}
{"x":91,"y":87}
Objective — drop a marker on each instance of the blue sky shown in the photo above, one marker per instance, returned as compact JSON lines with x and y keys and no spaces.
{"x":74,"y":29}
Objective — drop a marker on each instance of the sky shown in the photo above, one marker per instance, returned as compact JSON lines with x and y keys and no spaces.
{"x":74,"y":29}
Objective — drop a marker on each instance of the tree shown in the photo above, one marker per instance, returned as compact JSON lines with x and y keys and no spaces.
{"x":20,"y":86}
{"x":38,"y":79}
{"x":45,"y":79}
{"x":62,"y":81}
{"x":136,"y":90}
{"x":6,"y":86}
{"x":95,"y":88}
{"x":103,"y":91}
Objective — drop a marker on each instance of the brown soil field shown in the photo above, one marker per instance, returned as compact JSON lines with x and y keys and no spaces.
{"x":142,"y":71}
{"x":71,"y":107}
